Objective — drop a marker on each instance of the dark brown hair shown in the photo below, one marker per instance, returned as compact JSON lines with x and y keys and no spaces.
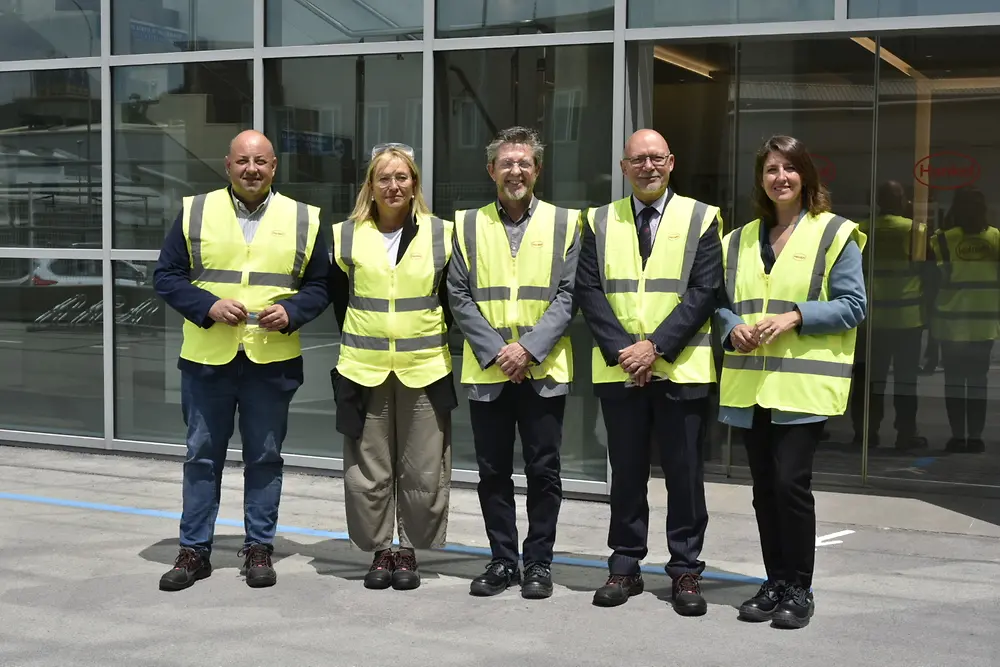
{"x":815,"y":197}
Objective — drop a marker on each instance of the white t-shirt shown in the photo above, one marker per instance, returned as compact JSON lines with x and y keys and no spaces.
{"x":392,"y":245}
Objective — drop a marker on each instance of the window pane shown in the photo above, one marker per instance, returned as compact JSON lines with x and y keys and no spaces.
{"x":165,"y":26}
{"x":294,"y":23}
{"x":51,"y":346}
{"x":566,"y":93}
{"x":59,"y":29}
{"x":476,"y":18}
{"x":173,"y":125}
{"x":655,"y":13}
{"x":863,"y":9}
{"x":50,"y":159}
{"x":935,"y":255}
{"x":324,"y":134}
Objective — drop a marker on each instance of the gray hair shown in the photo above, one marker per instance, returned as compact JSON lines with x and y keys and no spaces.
{"x":516,"y":135}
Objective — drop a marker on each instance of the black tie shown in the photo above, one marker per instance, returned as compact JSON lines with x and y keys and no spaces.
{"x":645,"y":233}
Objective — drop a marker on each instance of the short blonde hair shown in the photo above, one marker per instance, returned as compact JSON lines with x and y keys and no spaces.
{"x":364,"y":207}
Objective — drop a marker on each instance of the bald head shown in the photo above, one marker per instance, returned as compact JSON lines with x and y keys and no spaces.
{"x":642,"y":141}
{"x":647,"y":163}
{"x":250,"y":165}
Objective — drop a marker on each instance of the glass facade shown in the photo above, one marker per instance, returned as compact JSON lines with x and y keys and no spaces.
{"x":100,"y":139}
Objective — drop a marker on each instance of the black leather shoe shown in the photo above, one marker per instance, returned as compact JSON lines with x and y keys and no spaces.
{"x":686,"y":595}
{"x":190,"y":566}
{"x":379,"y":575}
{"x":975,"y":446}
{"x":405,"y":577}
{"x":257,"y":567}
{"x":537,"y":584}
{"x":761,"y":607}
{"x":956,"y":446}
{"x":618,"y":589}
{"x":795,"y":609}
{"x":498,"y":577}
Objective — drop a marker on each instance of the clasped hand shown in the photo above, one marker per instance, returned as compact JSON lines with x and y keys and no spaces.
{"x":232,"y":312}
{"x":637,"y":360}
{"x":513,"y":361}
{"x":747,"y":339}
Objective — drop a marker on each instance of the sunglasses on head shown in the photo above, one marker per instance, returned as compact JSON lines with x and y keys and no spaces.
{"x":381,"y":148}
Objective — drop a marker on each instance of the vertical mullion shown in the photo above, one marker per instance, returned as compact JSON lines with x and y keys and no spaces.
{"x":107,"y":232}
{"x":427,"y":104}
{"x":872,"y":250}
{"x":258,"y":64}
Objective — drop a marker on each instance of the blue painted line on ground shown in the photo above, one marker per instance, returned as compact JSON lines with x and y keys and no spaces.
{"x":312,"y":532}
{"x":923,"y":462}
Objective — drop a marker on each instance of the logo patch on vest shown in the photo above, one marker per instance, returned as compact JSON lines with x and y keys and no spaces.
{"x":277,"y":232}
{"x":673,"y":236}
{"x":416,"y":255}
{"x":537,"y":244}
{"x":800,"y":256}
{"x":973,"y":249}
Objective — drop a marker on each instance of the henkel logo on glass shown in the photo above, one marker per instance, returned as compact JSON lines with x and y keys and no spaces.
{"x":947,"y":170}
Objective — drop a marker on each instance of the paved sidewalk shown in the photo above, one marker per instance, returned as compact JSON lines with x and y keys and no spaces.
{"x":86,"y":537}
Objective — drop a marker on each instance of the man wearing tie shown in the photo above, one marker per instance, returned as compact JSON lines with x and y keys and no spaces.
{"x":649,"y":272}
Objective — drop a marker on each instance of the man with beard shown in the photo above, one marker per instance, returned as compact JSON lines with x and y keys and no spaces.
{"x":652,"y":361}
{"x":510,"y":286}
{"x":247,"y":268}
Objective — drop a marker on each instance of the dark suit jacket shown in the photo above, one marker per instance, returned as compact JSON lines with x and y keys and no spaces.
{"x":673,"y":334}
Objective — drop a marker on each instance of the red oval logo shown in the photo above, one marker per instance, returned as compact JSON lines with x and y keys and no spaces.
{"x":824,"y":167}
{"x":947,"y":170}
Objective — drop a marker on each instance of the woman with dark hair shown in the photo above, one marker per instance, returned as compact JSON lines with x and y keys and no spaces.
{"x":796,"y":294}
{"x":966,"y":315}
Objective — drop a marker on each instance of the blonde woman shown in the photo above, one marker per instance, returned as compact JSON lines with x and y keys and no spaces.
{"x":393,"y":383}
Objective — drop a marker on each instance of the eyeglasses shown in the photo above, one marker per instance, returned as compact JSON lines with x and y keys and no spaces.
{"x":507,"y":165}
{"x":381,"y":148}
{"x":657,"y":160}
{"x":385,"y":182}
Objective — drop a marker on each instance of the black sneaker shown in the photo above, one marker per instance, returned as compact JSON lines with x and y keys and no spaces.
{"x":686,"y":595}
{"x":795,"y":610}
{"x":379,"y":575}
{"x":190,"y":566}
{"x":618,"y":589}
{"x":257,"y":567}
{"x":405,"y":576}
{"x":498,"y":577}
{"x":761,"y":607}
{"x":537,"y":584}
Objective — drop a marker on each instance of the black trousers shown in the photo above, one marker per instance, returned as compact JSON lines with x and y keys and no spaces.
{"x":637,"y":419}
{"x":781,"y":463}
{"x":966,"y":366}
{"x":899,"y":348}
{"x":539,"y":421}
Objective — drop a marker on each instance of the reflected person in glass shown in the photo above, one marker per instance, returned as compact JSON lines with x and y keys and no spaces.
{"x":247,"y":268}
{"x":393,"y":383}
{"x":795,"y":295}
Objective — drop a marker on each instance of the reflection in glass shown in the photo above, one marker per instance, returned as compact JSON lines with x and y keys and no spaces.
{"x":147,"y":336}
{"x":173,"y":125}
{"x":50,"y":158}
{"x":864,"y":9}
{"x":656,"y":13}
{"x":298,"y":22}
{"x":168,"y":26}
{"x":50,"y":346}
{"x":564,"y":92}
{"x":478,"y":18}
{"x":323,"y":135}
{"x":49,"y":29}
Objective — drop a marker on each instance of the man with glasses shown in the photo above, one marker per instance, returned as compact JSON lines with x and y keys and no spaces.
{"x":649,"y":273}
{"x":510,"y":286}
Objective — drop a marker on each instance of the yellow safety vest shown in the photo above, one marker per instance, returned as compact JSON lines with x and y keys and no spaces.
{"x":967,"y":307}
{"x":394,"y":322}
{"x":642,"y":298}
{"x":809,"y":374}
{"x":258,"y":274}
{"x":513,"y":293}
{"x":896,"y":293}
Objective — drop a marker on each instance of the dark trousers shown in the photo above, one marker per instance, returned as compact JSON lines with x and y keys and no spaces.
{"x":966,"y":366}
{"x":637,"y":419}
{"x":781,"y":463}
{"x":899,"y":348}
{"x":209,"y":402}
{"x":539,"y":422}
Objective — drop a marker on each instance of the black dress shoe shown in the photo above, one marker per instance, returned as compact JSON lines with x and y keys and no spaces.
{"x":537,"y":584}
{"x":761,"y":607}
{"x":498,"y":577}
{"x":190,"y":566}
{"x":618,"y":589}
{"x":795,"y":609}
{"x":257,"y":568}
{"x":379,"y":575}
{"x":686,"y":595}
{"x":975,"y":446}
{"x":405,"y":577}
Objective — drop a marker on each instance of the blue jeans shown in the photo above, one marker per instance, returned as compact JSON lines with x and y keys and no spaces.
{"x":209,"y":400}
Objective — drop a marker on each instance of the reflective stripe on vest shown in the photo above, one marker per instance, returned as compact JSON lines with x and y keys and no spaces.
{"x":514,"y":292}
{"x":257,"y":274}
{"x":808,"y":374}
{"x":967,"y":307}
{"x":387,"y":299}
{"x":642,"y":298}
